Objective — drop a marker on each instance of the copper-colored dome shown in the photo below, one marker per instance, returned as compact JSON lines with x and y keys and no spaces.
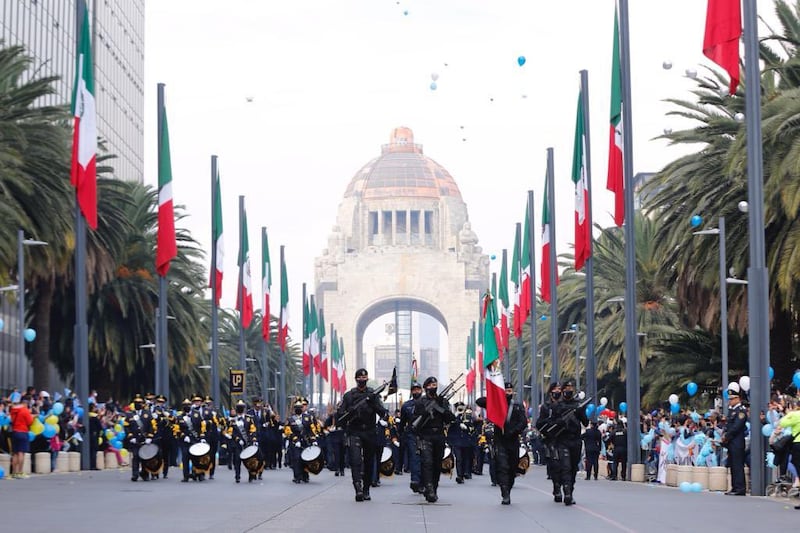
{"x":402,"y":171}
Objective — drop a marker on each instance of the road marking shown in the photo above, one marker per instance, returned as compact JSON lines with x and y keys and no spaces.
{"x":607,"y":520}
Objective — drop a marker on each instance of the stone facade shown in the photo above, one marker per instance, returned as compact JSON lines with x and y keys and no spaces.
{"x":402,"y":238}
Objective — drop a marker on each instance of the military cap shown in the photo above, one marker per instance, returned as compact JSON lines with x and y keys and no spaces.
{"x":197,"y":398}
{"x":509,"y":385}
{"x":416,"y":385}
{"x":361,"y":372}
{"x":186,"y":402}
{"x":161,"y":398}
{"x":429,"y":380}
{"x":138,"y":398}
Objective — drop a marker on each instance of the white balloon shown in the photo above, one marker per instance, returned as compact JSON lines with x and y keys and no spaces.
{"x":667,"y":64}
{"x":738,"y":117}
{"x":581,"y":395}
{"x":673,"y":398}
{"x":744,"y":206}
{"x":667,"y":131}
{"x":744,"y":383}
{"x":691,"y":73}
{"x":434,"y":76}
{"x":603,"y":401}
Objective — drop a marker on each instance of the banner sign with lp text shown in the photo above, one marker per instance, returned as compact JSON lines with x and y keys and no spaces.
{"x":237,"y":381}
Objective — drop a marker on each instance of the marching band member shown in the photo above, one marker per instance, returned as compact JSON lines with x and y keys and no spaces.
{"x":140,"y":426}
{"x":299,"y":430}
{"x":241,"y":432}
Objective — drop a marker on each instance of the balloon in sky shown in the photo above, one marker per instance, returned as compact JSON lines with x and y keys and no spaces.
{"x":696,"y":220}
{"x":29,"y":334}
{"x":744,"y":383}
{"x":673,"y":398}
{"x":493,"y":257}
{"x":771,"y":370}
{"x":434,"y":76}
{"x":667,"y":64}
{"x":521,"y":60}
{"x":691,"y":388}
{"x":433,"y":86}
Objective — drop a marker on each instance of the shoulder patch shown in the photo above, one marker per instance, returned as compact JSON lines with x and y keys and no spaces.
{"x":741,"y":415}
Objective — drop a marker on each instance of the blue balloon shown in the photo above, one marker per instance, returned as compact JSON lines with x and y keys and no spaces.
{"x":771,"y":370}
{"x":796,"y":380}
{"x":2,"y":472}
{"x":433,"y":86}
{"x":623,"y":407}
{"x":49,"y":431}
{"x":696,"y":220}
{"x":767,"y":430}
{"x":58,"y":408}
{"x":685,"y":487}
{"x":1,"y":327}
{"x":493,"y":257}
{"x":29,"y":334}
{"x":521,"y":60}
{"x":725,"y":395}
{"x":697,"y":487}
{"x":543,"y":317}
{"x":31,"y":436}
{"x":590,"y":409}
{"x":674,"y":408}
{"x":691,"y":388}
{"x":79,"y":412}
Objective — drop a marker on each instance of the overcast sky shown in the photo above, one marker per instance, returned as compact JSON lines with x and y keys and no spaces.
{"x":295,"y":97}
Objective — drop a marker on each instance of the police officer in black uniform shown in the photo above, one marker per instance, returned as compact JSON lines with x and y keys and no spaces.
{"x":507,"y":443}
{"x":357,"y":413}
{"x":734,"y":440}
{"x":546,"y":412}
{"x":431,"y":415}
{"x":568,"y":442}
{"x":141,"y":429}
{"x":409,"y":438}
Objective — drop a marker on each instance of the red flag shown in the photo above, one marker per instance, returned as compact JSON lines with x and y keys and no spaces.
{"x":721,"y":40}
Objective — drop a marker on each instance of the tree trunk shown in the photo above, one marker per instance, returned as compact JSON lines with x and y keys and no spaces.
{"x":41,"y":346}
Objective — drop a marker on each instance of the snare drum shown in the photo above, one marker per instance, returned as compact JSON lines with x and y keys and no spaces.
{"x":150,"y":454}
{"x":200,"y":454}
{"x":251,"y":458}
{"x":386,"y":467}
{"x":524,"y":461}
{"x":312,"y":459}
{"x":447,"y":460}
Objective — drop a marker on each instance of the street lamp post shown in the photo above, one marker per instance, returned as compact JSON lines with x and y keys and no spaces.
{"x":21,"y":243}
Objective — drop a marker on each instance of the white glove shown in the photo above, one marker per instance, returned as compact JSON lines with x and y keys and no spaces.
{"x":297,"y":445}
{"x":133,"y":441}
{"x":187,"y":439}
{"x":148,"y":441}
{"x":280,"y":428}
{"x":396,"y":443}
{"x":203,"y":441}
{"x":463,"y":426}
{"x":241,"y":442}
{"x":384,"y":423}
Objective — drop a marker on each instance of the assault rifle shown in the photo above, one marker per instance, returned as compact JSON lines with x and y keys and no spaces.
{"x":443,"y":396}
{"x":345,"y":418}
{"x":551,"y":430}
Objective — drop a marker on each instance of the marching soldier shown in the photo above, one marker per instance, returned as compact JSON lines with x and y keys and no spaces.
{"x":141,"y":429}
{"x":409,"y":439}
{"x":260,"y":418}
{"x":197,"y":432}
{"x":299,"y":430}
{"x":358,"y":409}
{"x":507,"y":443}
{"x":566,"y":418}
{"x":212,"y":420}
{"x":165,"y":421}
{"x":183,"y":431}
{"x":733,"y":439}
{"x":460,"y":436}
{"x":431,"y":415}
{"x":336,"y":444}
{"x":274,"y":448}
{"x":241,"y":432}
{"x":550,"y":456}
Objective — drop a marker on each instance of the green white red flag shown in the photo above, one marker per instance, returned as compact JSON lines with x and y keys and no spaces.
{"x":166,"y":246}
{"x":313,"y":334}
{"x":526,"y":280}
{"x":501,"y":328}
{"x":244,"y":296}
{"x":343,"y":373}
{"x":615,"y":181}
{"x":219,"y":242}
{"x":283,"y":327}
{"x":323,"y":352}
{"x":306,"y":339}
{"x":266,"y":284}
{"x":83,"y":174}
{"x":470,"y":364}
{"x":583,"y":230}
{"x":515,"y":279}
{"x":496,"y":404}
{"x":546,"y":249}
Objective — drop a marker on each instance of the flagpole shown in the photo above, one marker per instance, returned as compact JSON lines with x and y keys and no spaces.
{"x":757,"y":287}
{"x":312,"y":307}
{"x":282,"y":362}
{"x":591,"y":363}
{"x":241,"y":297}
{"x":264,"y":316}
{"x":551,"y":207}
{"x":81,"y":333}
{"x":215,"y":392}
{"x":632,"y":388}
{"x":533,"y":317}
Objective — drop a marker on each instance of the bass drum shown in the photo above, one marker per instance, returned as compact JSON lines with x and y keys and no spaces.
{"x":251,"y":459}
{"x":524,"y":461}
{"x":150,"y":454}
{"x":312,"y":459}
{"x":200,"y":454}
{"x":447,"y":460}
{"x":386,"y":466}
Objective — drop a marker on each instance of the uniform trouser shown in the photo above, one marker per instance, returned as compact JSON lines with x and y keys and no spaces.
{"x":337,"y":454}
{"x":592,"y":463}
{"x":295,"y":460}
{"x":236,"y":457}
{"x":619,"y":469}
{"x":214,"y":443}
{"x":400,"y":459}
{"x":736,"y":463}
{"x":410,"y":441}
{"x":185,"y":459}
{"x":463,"y":456}
{"x":565,"y":466}
{"x":431,"y":451}
{"x":136,"y":463}
{"x":492,"y":465}
{"x":361,"y":450}
{"x":166,"y":453}
{"x":507,"y":456}
{"x":478,"y":453}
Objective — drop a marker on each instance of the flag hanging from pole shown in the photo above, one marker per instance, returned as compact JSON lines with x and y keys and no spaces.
{"x":515,"y":279}
{"x":266,"y":283}
{"x":306,"y":339}
{"x":323,"y":349}
{"x":496,"y":404}
{"x":218,"y":244}
{"x":470,"y":366}
{"x":83,"y":174}
{"x":721,"y":39}
{"x":343,"y":374}
{"x":525,"y":271}
{"x":166,"y":247}
{"x":502,"y":312}
{"x":615,"y":181}
{"x":313,"y":335}
{"x":283,"y":327}
{"x":546,"y":248}
{"x":244,"y":296}
{"x":335,"y":370}
{"x":583,"y":231}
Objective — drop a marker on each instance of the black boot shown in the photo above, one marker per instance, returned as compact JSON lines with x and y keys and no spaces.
{"x":366,"y":493}
{"x":505,"y":492}
{"x":568,"y":500}
{"x":359,"y":491}
{"x":414,"y":487}
{"x":557,"y":492}
{"x":430,"y":494}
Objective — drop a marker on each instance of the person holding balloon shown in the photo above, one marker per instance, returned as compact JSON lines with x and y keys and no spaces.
{"x":21,"y":421}
{"x":733,"y":440}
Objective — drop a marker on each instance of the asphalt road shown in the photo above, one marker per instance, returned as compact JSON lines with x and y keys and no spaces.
{"x":108,"y":502}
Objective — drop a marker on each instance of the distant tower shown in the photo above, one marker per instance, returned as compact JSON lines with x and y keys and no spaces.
{"x":402,"y":243}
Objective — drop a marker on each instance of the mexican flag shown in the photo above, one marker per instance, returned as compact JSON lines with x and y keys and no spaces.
{"x":266,"y":283}
{"x":343,"y":373}
{"x":470,"y":365}
{"x":83,"y":174}
{"x":244,"y":296}
{"x":283,"y":329}
{"x":496,"y":404}
{"x":515,"y":279}
{"x":306,"y":340}
{"x":323,"y":351}
{"x":615,"y":181}
{"x":166,"y":247}
{"x":583,"y":230}
{"x":313,"y":335}
{"x":546,"y":289}
{"x":218,"y":244}
{"x":525,"y":267}
{"x":335,"y":370}
{"x":721,"y":39}
{"x":501,"y":327}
